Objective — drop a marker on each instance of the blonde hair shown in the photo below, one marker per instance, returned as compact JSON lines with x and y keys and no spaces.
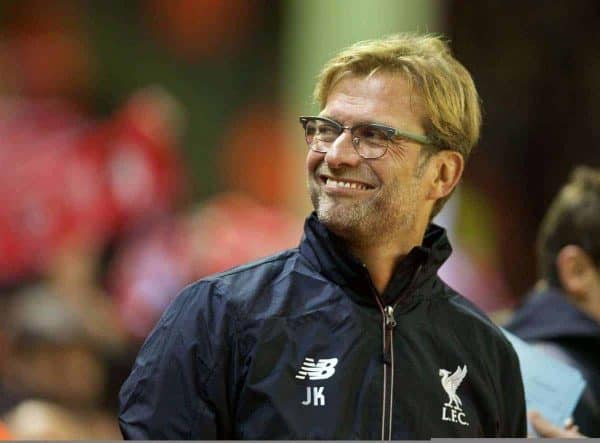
{"x":450,"y":99}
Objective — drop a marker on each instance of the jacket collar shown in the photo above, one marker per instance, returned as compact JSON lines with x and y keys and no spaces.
{"x":330,"y":256}
{"x":547,"y":315}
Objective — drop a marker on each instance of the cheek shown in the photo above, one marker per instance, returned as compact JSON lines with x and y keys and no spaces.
{"x":313,"y":160}
{"x":387,"y":172}
{"x":402,"y":164}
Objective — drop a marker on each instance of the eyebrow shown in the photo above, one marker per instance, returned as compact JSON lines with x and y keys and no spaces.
{"x":360,"y":122}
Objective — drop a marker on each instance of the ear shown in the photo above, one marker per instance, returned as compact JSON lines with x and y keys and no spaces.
{"x":576,"y":272}
{"x":446,"y":168}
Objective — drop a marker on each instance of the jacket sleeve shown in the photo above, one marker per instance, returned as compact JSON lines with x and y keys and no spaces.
{"x":514,"y":415}
{"x":174,"y":391}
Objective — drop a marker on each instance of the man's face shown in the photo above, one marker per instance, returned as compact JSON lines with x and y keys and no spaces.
{"x":394,"y":197}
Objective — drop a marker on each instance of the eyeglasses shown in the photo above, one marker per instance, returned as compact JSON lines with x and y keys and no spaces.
{"x":370,"y":140}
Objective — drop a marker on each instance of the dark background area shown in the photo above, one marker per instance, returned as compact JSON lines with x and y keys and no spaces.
{"x":537,"y":68}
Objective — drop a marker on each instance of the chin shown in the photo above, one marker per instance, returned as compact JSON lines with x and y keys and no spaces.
{"x":342,"y":221}
{"x":363,"y":222}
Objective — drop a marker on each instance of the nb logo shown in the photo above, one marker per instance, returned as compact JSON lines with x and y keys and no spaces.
{"x":321,"y":370}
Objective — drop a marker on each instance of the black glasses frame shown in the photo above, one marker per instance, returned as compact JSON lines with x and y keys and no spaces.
{"x":388,"y":130}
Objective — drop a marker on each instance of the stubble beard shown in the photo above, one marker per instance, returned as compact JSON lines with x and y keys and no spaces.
{"x":372,"y":220}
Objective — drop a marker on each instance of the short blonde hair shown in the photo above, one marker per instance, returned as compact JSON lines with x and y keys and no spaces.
{"x":450,"y":99}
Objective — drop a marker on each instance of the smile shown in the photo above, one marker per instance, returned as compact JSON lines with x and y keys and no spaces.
{"x":345,"y":184}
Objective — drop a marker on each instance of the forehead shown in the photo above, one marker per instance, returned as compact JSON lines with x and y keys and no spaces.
{"x":382,"y":97}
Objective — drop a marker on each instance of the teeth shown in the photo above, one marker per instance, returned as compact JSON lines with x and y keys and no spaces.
{"x":341,"y":184}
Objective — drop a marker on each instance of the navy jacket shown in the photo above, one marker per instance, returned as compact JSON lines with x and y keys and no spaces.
{"x":301,"y":346}
{"x":548,"y":320}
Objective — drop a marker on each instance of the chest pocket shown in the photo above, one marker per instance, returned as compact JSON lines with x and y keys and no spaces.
{"x":307,"y":377}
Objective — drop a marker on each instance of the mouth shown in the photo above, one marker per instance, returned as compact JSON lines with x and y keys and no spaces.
{"x":343,"y":184}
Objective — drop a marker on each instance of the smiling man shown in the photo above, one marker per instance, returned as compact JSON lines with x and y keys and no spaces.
{"x":352,"y":335}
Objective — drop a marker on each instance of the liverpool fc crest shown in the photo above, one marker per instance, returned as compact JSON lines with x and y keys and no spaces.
{"x":452,"y":409}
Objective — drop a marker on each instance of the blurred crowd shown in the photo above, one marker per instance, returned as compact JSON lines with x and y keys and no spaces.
{"x":100,"y":222}
{"x":95,"y":243}
{"x":94,"y":246}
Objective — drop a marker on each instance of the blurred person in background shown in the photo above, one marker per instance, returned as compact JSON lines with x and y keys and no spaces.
{"x":55,"y":361}
{"x":351,"y":335}
{"x":67,"y":172}
{"x":71,"y":178}
{"x":562,"y":313}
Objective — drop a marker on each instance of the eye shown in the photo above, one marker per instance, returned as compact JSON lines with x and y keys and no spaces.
{"x":372,"y":135}
{"x":326,"y":131}
{"x":311,"y":128}
{"x":326,"y":128}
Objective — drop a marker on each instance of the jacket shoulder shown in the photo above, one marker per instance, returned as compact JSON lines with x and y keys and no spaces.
{"x":162,"y":397}
{"x":266,"y":266}
{"x":473,"y":320}
{"x":253,"y":276}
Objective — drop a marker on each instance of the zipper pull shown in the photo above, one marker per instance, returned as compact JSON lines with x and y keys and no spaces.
{"x":390,"y":321}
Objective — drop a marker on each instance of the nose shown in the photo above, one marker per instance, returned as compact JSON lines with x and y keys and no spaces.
{"x":342,"y":152}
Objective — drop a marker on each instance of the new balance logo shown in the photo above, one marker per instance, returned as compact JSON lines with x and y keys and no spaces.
{"x":321,"y":370}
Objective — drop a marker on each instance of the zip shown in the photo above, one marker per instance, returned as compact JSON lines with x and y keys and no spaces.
{"x":388,"y":325}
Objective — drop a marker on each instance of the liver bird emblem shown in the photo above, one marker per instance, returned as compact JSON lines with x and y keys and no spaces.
{"x":450,"y":383}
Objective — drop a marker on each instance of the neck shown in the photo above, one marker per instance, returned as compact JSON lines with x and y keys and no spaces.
{"x":381,"y":257}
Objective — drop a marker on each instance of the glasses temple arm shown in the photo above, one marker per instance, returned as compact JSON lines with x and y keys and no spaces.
{"x":414,"y":137}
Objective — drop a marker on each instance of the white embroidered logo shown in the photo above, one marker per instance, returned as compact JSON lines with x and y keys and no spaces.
{"x":321,"y":370}
{"x":452,"y":409}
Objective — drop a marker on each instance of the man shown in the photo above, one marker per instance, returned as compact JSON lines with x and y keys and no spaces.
{"x":562,"y":314}
{"x":351,"y":335}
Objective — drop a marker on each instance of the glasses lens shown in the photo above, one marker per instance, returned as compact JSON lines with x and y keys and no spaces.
{"x":372,"y":140}
{"x":319,"y":133}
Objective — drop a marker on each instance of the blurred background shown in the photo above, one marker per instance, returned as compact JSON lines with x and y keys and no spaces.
{"x":146,"y":144}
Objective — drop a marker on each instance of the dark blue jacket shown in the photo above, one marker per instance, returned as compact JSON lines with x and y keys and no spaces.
{"x":301,"y":346}
{"x":548,"y":320}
